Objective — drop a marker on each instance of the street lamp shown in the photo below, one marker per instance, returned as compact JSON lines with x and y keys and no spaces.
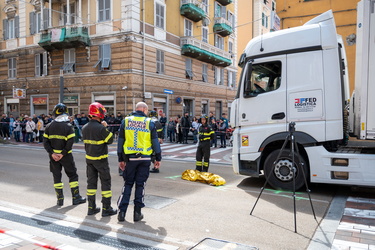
{"x":61,"y":85}
{"x":125,"y":88}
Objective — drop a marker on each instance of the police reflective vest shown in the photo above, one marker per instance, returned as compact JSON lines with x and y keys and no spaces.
{"x":137,"y":135}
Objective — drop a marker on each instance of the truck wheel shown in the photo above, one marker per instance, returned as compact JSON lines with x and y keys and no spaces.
{"x":280,"y":174}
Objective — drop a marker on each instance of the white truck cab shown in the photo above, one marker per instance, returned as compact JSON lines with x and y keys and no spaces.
{"x":295,"y":75}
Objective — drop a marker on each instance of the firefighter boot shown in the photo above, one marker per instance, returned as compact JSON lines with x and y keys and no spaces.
{"x":121,"y":214}
{"x":77,"y":198}
{"x":205,"y":169}
{"x":137,"y":214}
{"x":60,"y":197}
{"x":107,"y":209}
{"x":92,"y":205}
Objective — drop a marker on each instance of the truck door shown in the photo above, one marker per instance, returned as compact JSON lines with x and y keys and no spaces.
{"x":262,"y":105}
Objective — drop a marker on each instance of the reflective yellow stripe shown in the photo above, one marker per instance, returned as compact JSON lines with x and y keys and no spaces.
{"x":93,"y":142}
{"x":159,"y":130}
{"x":73,"y":184}
{"x":207,"y":133}
{"x":61,"y":137}
{"x":58,"y":185}
{"x":199,"y":163}
{"x":96,"y":158}
{"x":107,"y":194}
{"x":45,"y":136}
{"x":59,"y":151}
{"x":91,"y":192}
{"x":205,"y":164}
{"x":205,"y":139}
{"x":108,"y":137}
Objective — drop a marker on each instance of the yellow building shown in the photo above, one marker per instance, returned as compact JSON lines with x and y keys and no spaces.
{"x":295,"y":13}
{"x":80,"y":51}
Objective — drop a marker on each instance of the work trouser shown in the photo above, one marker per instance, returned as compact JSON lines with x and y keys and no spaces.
{"x":136,"y":171}
{"x":98,"y":169}
{"x":66,"y":162}
{"x":203,"y":153}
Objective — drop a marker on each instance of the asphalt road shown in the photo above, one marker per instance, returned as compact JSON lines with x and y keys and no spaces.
{"x":178,"y":212}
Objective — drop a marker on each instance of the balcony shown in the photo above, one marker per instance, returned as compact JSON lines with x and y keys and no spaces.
{"x":222,"y":27}
{"x":225,"y":2}
{"x":204,"y":52}
{"x":192,"y":9}
{"x":65,"y":38}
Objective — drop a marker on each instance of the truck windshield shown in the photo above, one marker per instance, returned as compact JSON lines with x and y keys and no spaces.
{"x":261,"y":78}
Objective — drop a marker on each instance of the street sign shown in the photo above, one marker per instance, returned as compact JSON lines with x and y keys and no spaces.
{"x":168,"y":91}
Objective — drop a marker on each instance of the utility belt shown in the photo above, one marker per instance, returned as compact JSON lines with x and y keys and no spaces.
{"x":138,"y":157}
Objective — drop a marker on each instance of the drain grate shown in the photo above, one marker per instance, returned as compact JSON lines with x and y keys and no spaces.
{"x":215,"y":244}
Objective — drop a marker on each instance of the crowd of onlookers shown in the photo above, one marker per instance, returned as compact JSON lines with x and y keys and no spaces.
{"x":31,"y":128}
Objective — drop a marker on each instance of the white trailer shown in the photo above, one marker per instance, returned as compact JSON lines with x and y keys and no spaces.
{"x":299,"y":75}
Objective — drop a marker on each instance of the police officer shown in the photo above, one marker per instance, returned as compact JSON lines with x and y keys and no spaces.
{"x":96,"y":138}
{"x":59,"y":139}
{"x":137,"y":141}
{"x":159,"y":130}
{"x":206,"y":134}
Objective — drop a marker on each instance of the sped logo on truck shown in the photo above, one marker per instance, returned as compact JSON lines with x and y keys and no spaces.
{"x":305,"y":104}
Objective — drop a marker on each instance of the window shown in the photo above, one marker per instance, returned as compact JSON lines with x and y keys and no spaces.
{"x":273,"y":6}
{"x":159,"y":15}
{"x":12,"y":68}
{"x":205,"y":34}
{"x":231,"y":19}
{"x":261,"y":78}
{"x":264,"y":20}
{"x":35,"y":22}
{"x":204,"y":73}
{"x":205,"y":6}
{"x":11,"y":28}
{"x":219,"y":76}
{"x":230,"y":47}
{"x":73,"y":15}
{"x":41,"y":65}
{"x":189,"y":69}
{"x":231,"y":79}
{"x":159,"y":62}
{"x":69,"y":61}
{"x":104,"y":10}
{"x":104,"y":55}
{"x":219,"y":41}
{"x":188,"y":28}
{"x":220,"y":11}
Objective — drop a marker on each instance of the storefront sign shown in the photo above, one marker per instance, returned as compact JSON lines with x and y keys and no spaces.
{"x":40,"y":100}
{"x":72,"y":99}
{"x":19,"y":93}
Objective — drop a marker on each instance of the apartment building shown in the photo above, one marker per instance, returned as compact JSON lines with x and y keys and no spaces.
{"x":177,"y":56}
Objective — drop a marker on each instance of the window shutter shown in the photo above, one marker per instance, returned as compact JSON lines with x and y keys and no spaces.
{"x":45,"y":19}
{"x":107,"y":9}
{"x":45,"y":63}
{"x":32,"y":23}
{"x":5,"y":29}
{"x":37,"y":64}
{"x":106,"y":49}
{"x":224,"y":12}
{"x":17,"y":26}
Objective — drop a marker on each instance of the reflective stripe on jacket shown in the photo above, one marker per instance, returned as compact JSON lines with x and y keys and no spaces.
{"x":96,"y":138}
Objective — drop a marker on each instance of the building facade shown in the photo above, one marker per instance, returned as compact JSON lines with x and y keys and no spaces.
{"x":296,"y":13}
{"x":177,"y":56}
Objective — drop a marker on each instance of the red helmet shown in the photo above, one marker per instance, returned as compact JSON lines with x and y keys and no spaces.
{"x":97,"y":109}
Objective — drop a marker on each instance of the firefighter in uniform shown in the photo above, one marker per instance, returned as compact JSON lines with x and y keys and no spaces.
{"x":206,"y":134}
{"x":96,"y":138}
{"x":159,"y":130}
{"x":137,"y":141}
{"x":58,"y":142}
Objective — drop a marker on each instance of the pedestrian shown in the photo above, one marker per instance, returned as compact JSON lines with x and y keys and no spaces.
{"x":83,"y":120}
{"x":171,"y":130}
{"x":17,"y":129}
{"x":11,"y":122}
{"x":179,"y":134}
{"x":206,"y":134}
{"x":96,"y":138}
{"x":137,"y":141}
{"x":222,"y":131}
{"x":30,"y":126}
{"x":40,"y":127}
{"x":163,"y":121}
{"x":5,"y":126}
{"x":195,"y":128}
{"x":211,"y":118}
{"x":25,"y":118}
{"x":77,"y":129}
{"x":185,"y":125}
{"x":58,"y":142}
{"x":216,"y":132}
{"x":159,"y":130}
